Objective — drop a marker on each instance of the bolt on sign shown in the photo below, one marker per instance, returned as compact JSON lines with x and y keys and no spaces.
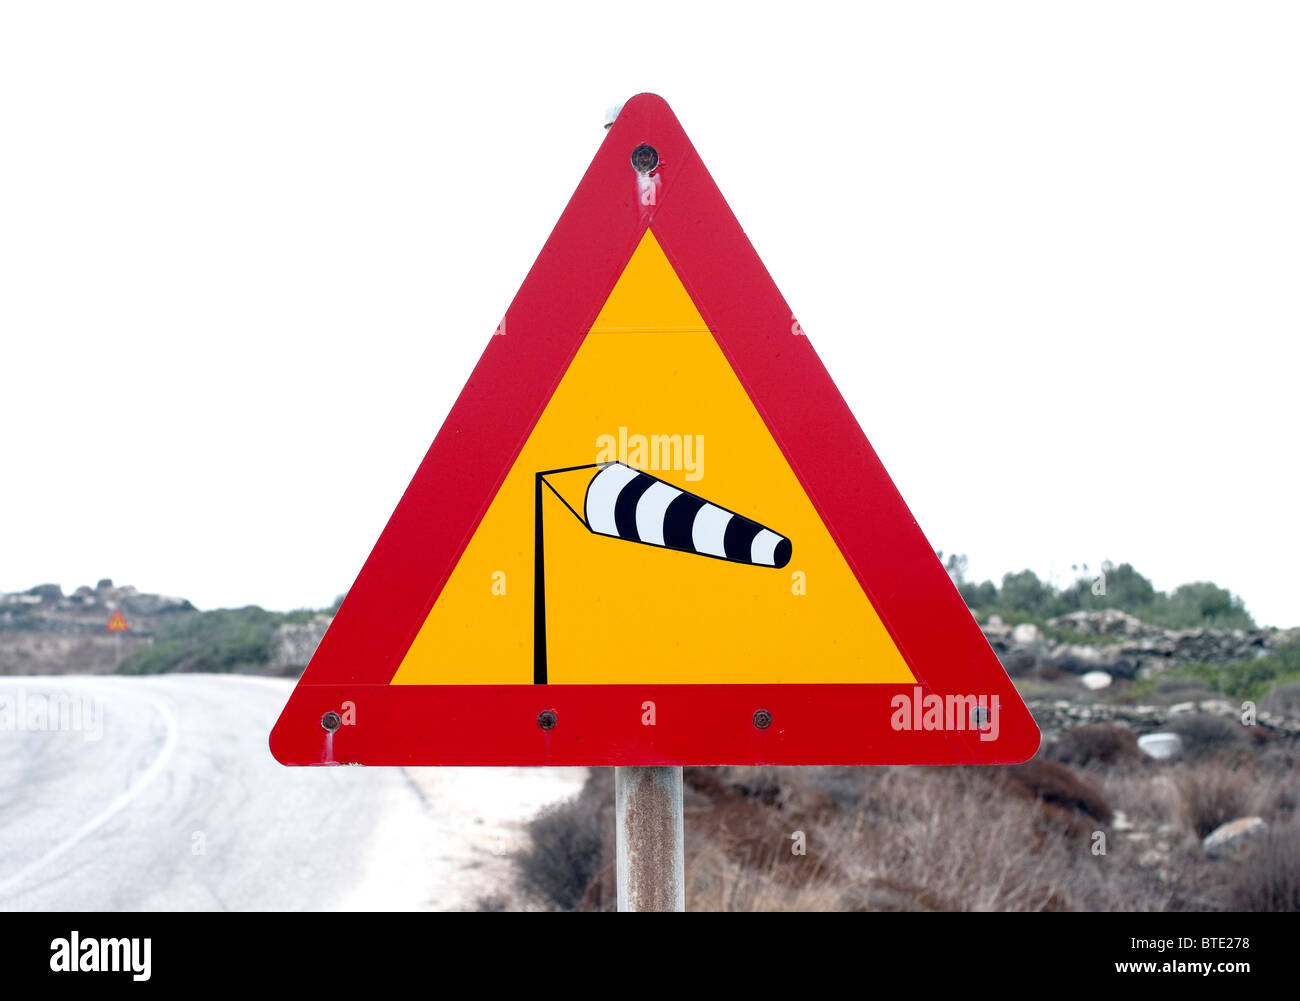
{"x":651,"y":532}
{"x":117,"y":623}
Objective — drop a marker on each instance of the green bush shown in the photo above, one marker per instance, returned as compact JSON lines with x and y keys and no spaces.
{"x":1238,"y":679}
{"x":1024,"y":598}
{"x":220,"y":641}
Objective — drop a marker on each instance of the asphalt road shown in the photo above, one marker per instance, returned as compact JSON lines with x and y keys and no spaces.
{"x":160,"y":793}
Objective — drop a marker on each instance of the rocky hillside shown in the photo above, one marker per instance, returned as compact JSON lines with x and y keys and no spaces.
{"x":44,"y":631}
{"x":1121,"y":645}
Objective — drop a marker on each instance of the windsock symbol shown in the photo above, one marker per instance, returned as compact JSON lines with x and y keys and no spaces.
{"x":624,"y":503}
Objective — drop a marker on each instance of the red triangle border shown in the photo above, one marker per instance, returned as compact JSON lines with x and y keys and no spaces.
{"x":484,"y":433}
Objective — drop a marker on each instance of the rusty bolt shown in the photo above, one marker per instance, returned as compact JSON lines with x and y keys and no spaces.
{"x":547,"y":719}
{"x":762,"y":719}
{"x":331,"y":721}
{"x":645,"y":159}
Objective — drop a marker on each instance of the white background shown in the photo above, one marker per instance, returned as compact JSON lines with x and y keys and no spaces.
{"x":250,"y":252}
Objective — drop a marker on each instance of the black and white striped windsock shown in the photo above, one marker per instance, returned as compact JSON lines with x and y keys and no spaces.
{"x":625,"y":503}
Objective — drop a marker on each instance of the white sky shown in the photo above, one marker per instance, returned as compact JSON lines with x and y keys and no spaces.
{"x":250,"y":252}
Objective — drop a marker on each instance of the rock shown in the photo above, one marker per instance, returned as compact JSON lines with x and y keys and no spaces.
{"x":1106,"y":622}
{"x":153,"y":604}
{"x":46,"y":592}
{"x":292,"y":646}
{"x":1182,"y":708}
{"x":1124,"y":646}
{"x":1095,"y":680}
{"x":1160,"y":745}
{"x":1120,"y":821}
{"x":1227,"y":840}
{"x":1090,"y":656}
{"x":1026,"y":634}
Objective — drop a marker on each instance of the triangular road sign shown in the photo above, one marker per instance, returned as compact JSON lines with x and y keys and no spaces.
{"x":117,"y":623}
{"x":650,"y":532}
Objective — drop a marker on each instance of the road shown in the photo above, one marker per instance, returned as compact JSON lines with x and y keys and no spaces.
{"x":160,"y":793}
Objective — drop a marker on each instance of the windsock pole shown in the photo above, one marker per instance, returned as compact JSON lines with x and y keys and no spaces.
{"x":621,"y":502}
{"x":539,"y":591}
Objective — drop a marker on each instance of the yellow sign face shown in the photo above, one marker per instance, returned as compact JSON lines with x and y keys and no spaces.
{"x":649,"y":389}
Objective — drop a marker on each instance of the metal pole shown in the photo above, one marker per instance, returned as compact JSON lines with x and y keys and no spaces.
{"x":651,"y":856}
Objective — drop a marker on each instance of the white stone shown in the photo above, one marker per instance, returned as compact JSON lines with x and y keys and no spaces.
{"x":1160,"y":745}
{"x":1095,"y":680}
{"x":1227,"y":840}
{"x":1086,"y":654}
{"x":1026,"y":633}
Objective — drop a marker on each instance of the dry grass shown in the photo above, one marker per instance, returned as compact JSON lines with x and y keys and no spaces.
{"x":1098,"y":744}
{"x":567,"y":847}
{"x":1284,"y":700}
{"x":1268,"y":879}
{"x":1205,"y":737}
{"x":1212,"y":794}
{"x":1020,"y":838}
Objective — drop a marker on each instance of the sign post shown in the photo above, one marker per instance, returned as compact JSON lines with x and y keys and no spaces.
{"x":651,"y":866}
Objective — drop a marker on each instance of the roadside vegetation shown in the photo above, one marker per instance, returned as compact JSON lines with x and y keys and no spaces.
{"x":1023,"y":597}
{"x":1274,"y":677}
{"x":1091,"y":823}
{"x":221,"y":641}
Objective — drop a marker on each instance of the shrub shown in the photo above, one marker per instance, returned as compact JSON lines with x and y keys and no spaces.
{"x":1212,"y":795}
{"x":220,"y":641}
{"x":1023,"y":597}
{"x":1056,"y":785}
{"x":1205,"y":736}
{"x":1097,"y":744}
{"x":1199,"y":605}
{"x":1168,"y":689}
{"x":1269,"y":877}
{"x":1189,"y":689}
{"x":1284,"y":700}
{"x":566,"y":848}
{"x":224,"y":640}
{"x":1247,"y":679}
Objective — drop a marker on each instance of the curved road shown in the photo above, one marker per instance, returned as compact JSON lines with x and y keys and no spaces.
{"x":160,"y":794}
